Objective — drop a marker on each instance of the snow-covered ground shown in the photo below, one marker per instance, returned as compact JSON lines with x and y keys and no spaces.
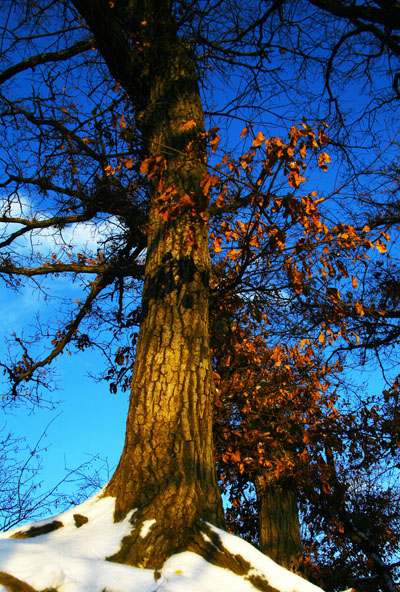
{"x":72,"y":559}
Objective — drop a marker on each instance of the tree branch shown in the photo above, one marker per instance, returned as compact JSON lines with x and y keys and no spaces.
{"x":388,"y":16}
{"x":366,"y":18}
{"x":44,"y":58}
{"x":29,"y":225}
{"x":18,"y":375}
{"x":49,"y":268}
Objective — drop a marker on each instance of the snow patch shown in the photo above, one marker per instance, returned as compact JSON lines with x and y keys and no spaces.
{"x":146,"y":526}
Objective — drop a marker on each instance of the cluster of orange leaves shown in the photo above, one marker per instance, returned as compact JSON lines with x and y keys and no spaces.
{"x":273,"y":404}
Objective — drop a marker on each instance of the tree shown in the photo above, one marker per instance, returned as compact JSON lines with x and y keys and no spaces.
{"x":275,"y":407}
{"x":139,"y":154}
{"x":246,"y":419}
{"x":282,"y":427}
{"x":171,"y":445}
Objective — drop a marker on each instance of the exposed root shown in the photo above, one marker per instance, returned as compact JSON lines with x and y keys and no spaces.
{"x":13,"y":584}
{"x":156,"y":546}
{"x":35,"y":531}
{"x":80,"y":520}
{"x":208,"y":544}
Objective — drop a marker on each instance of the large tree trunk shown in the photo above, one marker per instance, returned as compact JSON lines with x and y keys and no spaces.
{"x":167,"y":467}
{"x":279,"y":527}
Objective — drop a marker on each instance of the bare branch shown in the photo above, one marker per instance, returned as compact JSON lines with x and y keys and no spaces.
{"x":45,"y":58}
{"x":29,"y":225}
{"x":25,"y":372}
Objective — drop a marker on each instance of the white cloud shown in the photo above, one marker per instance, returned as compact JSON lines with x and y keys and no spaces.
{"x":83,"y":236}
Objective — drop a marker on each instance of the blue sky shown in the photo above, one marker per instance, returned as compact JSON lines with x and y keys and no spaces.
{"x":86,"y":420}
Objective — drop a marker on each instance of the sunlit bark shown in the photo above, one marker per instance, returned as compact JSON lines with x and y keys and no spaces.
{"x":167,"y":468}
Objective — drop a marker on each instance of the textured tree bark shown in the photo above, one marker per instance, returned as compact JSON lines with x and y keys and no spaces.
{"x":167,"y":468}
{"x":279,"y":526}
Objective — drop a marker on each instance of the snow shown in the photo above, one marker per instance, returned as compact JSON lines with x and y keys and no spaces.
{"x":72,"y":559}
{"x":146,"y":526}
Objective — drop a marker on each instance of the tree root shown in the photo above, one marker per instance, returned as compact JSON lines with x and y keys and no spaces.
{"x":13,"y":584}
{"x":208,"y":544}
{"x":35,"y":531}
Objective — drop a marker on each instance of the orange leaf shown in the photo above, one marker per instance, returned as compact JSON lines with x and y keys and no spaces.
{"x":214,"y":143}
{"x":109,"y":170}
{"x":233,"y":254}
{"x":359,"y":308}
{"x":323,"y":138}
{"x":380,"y":246}
{"x":209,"y":181}
{"x":322,"y":160}
{"x":144,"y":167}
{"x":354,"y":282}
{"x":295,"y":179}
{"x":188,"y":125}
{"x":333,"y":294}
{"x":185,"y":201}
{"x":244,"y":132}
{"x":217,"y":244}
{"x":235,"y":456}
{"x":258,"y":140}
